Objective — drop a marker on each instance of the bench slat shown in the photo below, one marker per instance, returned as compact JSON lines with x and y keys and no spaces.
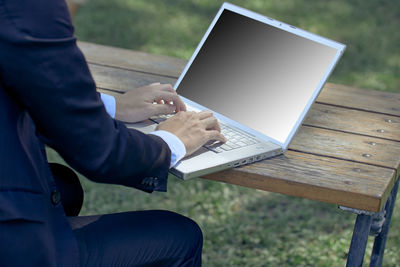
{"x":345,"y":183}
{"x":320,"y":115}
{"x":124,"y":80}
{"x":355,"y":121}
{"x":316,"y":141}
{"x":347,"y":146}
{"x":373,"y":101}
{"x":334,"y":94}
{"x":132,"y":60}
{"x":327,"y":161}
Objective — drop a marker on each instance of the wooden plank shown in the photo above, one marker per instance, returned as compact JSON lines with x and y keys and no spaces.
{"x":132,"y":60}
{"x":340,"y":182}
{"x":123,"y":80}
{"x":354,"y":121}
{"x":346,"y":146}
{"x":317,"y":141}
{"x":333,"y":94}
{"x":325,"y":116}
{"x":356,"y":98}
{"x":325,"y":178}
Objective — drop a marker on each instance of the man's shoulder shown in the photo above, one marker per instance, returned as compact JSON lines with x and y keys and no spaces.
{"x":39,"y":19}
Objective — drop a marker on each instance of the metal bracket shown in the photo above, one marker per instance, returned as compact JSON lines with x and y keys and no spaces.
{"x":356,"y":211}
{"x":378,"y":218}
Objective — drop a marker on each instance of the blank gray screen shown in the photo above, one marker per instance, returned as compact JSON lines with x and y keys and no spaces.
{"x":256,"y":74}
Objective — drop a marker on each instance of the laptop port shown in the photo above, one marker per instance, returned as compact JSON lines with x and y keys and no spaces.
{"x":236,"y":164}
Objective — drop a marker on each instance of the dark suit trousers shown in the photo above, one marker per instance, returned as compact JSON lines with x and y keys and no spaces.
{"x":139,"y":238}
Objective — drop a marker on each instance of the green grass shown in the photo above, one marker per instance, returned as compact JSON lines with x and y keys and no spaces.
{"x":174,"y":27}
{"x":246,"y":227}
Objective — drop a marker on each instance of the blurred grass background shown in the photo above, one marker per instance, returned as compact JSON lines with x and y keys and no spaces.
{"x":369,"y":28}
{"x":241,"y":226}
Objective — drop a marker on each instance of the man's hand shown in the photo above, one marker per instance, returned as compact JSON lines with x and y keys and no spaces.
{"x":193,"y":129}
{"x":144,"y":102}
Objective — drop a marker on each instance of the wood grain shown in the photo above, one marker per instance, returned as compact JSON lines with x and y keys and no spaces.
{"x":346,"y":153}
{"x":356,"y":98}
{"x":123,"y":80}
{"x":346,"y":146}
{"x":341,"y":182}
{"x":132,"y":60}
{"x":323,"y":142}
{"x":354,"y":121}
{"x":334,"y":94}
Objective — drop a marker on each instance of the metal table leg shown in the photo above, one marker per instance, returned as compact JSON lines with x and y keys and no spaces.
{"x":380,"y":223}
{"x":359,"y":240}
{"x":380,"y":240}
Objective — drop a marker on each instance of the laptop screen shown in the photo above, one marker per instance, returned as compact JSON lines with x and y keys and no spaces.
{"x":256,"y":74}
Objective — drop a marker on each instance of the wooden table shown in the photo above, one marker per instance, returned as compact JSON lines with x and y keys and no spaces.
{"x":347,"y":151}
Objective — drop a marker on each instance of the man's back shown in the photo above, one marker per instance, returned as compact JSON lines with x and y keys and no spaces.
{"x":47,"y":96}
{"x":32,"y":228}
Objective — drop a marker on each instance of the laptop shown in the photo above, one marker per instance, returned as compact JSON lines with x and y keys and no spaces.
{"x":259,"y":77}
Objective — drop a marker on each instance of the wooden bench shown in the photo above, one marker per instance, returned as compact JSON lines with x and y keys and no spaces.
{"x":347,"y":151}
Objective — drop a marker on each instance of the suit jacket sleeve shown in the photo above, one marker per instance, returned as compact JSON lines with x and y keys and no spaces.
{"x":45,"y":71}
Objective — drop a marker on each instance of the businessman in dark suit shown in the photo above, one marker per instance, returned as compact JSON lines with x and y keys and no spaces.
{"x":48,"y":97}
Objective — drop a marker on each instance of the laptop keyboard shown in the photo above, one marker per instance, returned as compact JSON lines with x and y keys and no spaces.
{"x":235,"y":137}
{"x":160,"y":118}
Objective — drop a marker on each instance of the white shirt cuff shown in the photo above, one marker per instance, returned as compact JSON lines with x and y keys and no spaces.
{"x":109,"y":104}
{"x":178,"y":150}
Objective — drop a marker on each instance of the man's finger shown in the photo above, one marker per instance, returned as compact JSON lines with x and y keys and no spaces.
{"x":167,"y":87}
{"x":211,"y":123}
{"x":205,"y":114}
{"x":171,"y":96}
{"x":179,"y":103}
{"x":215,"y":135}
{"x":163,"y":109}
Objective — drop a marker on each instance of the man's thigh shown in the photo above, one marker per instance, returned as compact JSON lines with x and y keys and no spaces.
{"x":147,"y":238}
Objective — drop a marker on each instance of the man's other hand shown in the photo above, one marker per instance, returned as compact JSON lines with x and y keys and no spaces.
{"x":142,"y":103}
{"x":193,"y":129}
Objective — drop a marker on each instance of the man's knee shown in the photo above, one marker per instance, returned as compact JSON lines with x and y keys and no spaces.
{"x":187,"y":230}
{"x":189,"y":239}
{"x":193,"y":232}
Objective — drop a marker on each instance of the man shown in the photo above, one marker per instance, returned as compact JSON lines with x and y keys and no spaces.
{"x":47,"y":96}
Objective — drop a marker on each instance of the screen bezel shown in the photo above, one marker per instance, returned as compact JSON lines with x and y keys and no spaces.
{"x":286,"y":27}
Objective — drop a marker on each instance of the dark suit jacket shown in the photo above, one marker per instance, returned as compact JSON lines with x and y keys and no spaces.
{"x":47,"y":96}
